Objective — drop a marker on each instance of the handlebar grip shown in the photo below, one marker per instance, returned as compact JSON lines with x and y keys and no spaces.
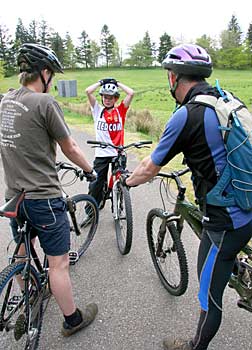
{"x":145,"y":142}
{"x":92,"y":142}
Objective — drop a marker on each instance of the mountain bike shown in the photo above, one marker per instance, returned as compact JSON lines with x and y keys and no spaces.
{"x":119,"y":195}
{"x":164,"y":228}
{"x":24,"y":287}
{"x":82,"y":210}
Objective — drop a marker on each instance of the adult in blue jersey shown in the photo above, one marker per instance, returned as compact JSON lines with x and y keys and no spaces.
{"x":193,"y":130}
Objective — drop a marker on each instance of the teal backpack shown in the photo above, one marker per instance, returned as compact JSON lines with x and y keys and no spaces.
{"x":236,"y":127}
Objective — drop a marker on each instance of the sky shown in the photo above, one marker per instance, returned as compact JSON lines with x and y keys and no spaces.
{"x":128,"y":21}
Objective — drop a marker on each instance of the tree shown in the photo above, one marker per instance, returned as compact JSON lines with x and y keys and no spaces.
{"x":7,"y":52}
{"x":69,"y":53}
{"x":210,"y":45}
{"x":116,"y":59}
{"x":249,"y":36}
{"x":147,"y":50}
{"x":165,"y":44}
{"x":231,"y":37}
{"x":22,"y":35}
{"x":1,"y":70}
{"x":33,"y":31}
{"x":57,"y":46}
{"x":84,"y":50}
{"x":233,"y":58}
{"x":107,"y":44}
{"x":44,"y":34}
{"x":95,"y":53}
{"x":141,"y":54}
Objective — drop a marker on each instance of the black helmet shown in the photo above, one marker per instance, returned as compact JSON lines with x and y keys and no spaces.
{"x":38,"y":57}
{"x":188,"y":59}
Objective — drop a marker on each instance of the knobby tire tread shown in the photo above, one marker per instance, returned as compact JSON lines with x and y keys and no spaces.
{"x":124,"y":246}
{"x":93,"y":227}
{"x":171,"y":229}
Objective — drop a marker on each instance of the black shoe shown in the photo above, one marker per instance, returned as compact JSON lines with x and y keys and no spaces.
{"x":88,"y":316}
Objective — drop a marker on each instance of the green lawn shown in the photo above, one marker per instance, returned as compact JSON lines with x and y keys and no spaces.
{"x":150,"y":85}
{"x":151,"y":92}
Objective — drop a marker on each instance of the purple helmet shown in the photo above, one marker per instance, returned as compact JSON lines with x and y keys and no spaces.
{"x":188,"y":60}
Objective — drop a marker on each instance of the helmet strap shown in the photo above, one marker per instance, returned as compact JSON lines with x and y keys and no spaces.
{"x":174,"y":87}
{"x":45,"y":84}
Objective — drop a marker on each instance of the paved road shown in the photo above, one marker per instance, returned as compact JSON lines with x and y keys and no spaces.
{"x":135,"y":311}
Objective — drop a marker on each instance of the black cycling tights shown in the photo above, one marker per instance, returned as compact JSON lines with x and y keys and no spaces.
{"x":217,"y":253}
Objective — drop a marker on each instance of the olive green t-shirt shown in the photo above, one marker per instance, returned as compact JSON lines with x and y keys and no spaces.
{"x":31,"y":123}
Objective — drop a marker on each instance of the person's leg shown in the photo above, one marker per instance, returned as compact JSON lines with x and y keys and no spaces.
{"x":216,"y":257}
{"x":49,"y":217}
{"x":60,"y":283}
{"x":217,"y":254}
{"x":101,"y":166}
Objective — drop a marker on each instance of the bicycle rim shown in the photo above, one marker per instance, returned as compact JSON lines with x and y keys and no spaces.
{"x":124,"y":220}
{"x":85,"y":207}
{"x":14,"y":323}
{"x":170,"y":262}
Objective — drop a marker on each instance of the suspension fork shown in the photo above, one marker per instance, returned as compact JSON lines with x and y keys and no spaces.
{"x":71,"y":207}
{"x":160,"y":238}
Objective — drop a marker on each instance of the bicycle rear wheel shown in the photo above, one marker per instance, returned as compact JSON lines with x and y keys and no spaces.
{"x":169,"y":257}
{"x":123,"y":218}
{"x":86,"y":215}
{"x":14,"y":324}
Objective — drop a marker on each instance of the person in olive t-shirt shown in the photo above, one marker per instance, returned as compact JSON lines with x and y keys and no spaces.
{"x":32,"y":124}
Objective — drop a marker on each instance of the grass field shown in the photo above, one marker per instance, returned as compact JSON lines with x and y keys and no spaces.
{"x":151,"y":93}
{"x":150,"y":85}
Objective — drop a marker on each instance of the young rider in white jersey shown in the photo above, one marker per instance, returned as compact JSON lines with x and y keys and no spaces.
{"x":109,"y":126}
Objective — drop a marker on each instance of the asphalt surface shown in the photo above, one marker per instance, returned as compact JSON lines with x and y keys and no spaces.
{"x":135,"y":311}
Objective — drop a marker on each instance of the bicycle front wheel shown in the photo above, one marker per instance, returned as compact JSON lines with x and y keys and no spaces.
{"x":84,"y":221}
{"x":123,"y":218}
{"x":18,"y":326}
{"x":167,"y":253}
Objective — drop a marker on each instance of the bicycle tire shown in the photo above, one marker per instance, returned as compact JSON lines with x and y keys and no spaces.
{"x":80,"y":243}
{"x":13,"y":321}
{"x":124,"y":221}
{"x":171,"y":267}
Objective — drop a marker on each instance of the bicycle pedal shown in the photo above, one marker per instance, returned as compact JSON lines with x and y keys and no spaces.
{"x":73,"y":257}
{"x":19,"y":329}
{"x":13,"y":302}
{"x":244,"y":304}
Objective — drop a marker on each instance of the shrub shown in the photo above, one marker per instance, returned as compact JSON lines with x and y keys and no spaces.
{"x":143,"y":121}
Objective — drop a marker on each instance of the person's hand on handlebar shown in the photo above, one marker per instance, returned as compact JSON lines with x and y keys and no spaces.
{"x":123,"y":179}
{"x":90,"y":176}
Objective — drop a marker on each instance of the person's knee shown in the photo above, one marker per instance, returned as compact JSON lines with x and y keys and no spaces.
{"x":59,"y":262}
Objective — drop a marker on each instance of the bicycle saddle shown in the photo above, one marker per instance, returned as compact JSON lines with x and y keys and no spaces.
{"x":10,"y":208}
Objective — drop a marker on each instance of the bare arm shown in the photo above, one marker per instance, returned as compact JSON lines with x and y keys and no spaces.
{"x":89,"y":91}
{"x":129,"y":94}
{"x":73,"y":152}
{"x":145,"y":171}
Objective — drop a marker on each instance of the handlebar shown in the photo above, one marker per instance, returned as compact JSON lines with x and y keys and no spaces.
{"x":102,"y":144}
{"x":79,"y":173}
{"x":174,"y":174}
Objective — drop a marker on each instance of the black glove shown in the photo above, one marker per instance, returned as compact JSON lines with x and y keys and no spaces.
{"x":107,"y":81}
{"x":92,"y":176}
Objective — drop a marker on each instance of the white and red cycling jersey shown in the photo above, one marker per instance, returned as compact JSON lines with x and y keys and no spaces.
{"x":109,"y":127}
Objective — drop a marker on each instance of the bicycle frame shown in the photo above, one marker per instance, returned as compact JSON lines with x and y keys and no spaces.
{"x":119,"y":195}
{"x":184,"y":210}
{"x":30,"y":256}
